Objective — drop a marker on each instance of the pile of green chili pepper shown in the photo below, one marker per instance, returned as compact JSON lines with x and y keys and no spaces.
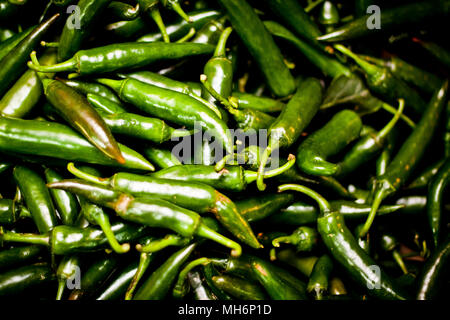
{"x":224,"y":150}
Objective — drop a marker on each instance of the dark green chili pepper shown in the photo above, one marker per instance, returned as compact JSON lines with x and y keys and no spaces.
{"x":161,"y":157}
{"x":263,"y":104}
{"x":292,"y":13}
{"x":150,"y":211}
{"x":123,"y":56}
{"x":436,"y":194}
{"x":345,"y":249}
{"x":327,"y":64}
{"x":329,"y":16}
{"x":181,"y":289}
{"x":63,"y":240}
{"x":13,"y":64}
{"x":408,"y":156}
{"x":260,"y":45}
{"x":291,"y":122}
{"x":18,"y":280}
{"x":117,"y":288}
{"x":382,"y":82}
{"x":172,"y":106}
{"x":210,"y":32}
{"x":159,"y":283}
{"x":337,"y":287}
{"x":9,"y":44}
{"x":92,"y":88}
{"x":363,"y":242}
{"x":151,"y":8}
{"x":389,"y":243}
{"x":67,"y":269}
{"x":66,"y":203}
{"x":386,"y":155}
{"x":97,"y":274}
{"x":37,"y":198}
{"x":61,"y":142}
{"x":209,"y":272}
{"x":239,"y":288}
{"x":441,"y":54}
{"x":14,"y":257}
{"x":103,"y":105}
{"x":319,"y":280}
{"x":303,"y":238}
{"x":343,"y":128}
{"x":367,"y":147}
{"x":401,"y":16}
{"x":433,"y":272}
{"x":126,"y":29}
{"x":11,"y":211}
{"x":123,"y":11}
{"x":72,"y":37}
{"x":447,"y":132}
{"x":303,"y":264}
{"x":77,"y":111}
{"x":263,"y":206}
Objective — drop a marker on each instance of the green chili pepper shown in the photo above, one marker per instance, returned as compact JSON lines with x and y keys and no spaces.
{"x":95,"y":276}
{"x":151,"y":8}
{"x":263,"y":104}
{"x":211,"y":31}
{"x":209,"y":272}
{"x":327,"y":64}
{"x":37,"y":198}
{"x":66,"y":203}
{"x":436,"y":194}
{"x":61,"y":142}
{"x":118,"y":286}
{"x":408,"y":156}
{"x":9,"y":44}
{"x":401,"y":16}
{"x":180,"y":289}
{"x":303,"y":238}
{"x":150,"y":211}
{"x":441,"y":54}
{"x":329,"y":16}
{"x":159,"y":283}
{"x":389,"y":243}
{"x":383,"y":83}
{"x":294,"y":118}
{"x":363,"y":242}
{"x":167,"y":104}
{"x":11,"y":211}
{"x":367,"y":147}
{"x":13,"y":64}
{"x":104,"y":105}
{"x":345,"y":249}
{"x":239,"y":288}
{"x":18,"y":280}
{"x":424,"y":178}
{"x":261,"y":46}
{"x":67,"y":269}
{"x":303,"y":264}
{"x":343,"y":128}
{"x":337,"y":287}
{"x":14,"y":257}
{"x":161,"y":157}
{"x":123,"y":11}
{"x":431,"y":278}
{"x":92,"y":88}
{"x":263,"y":206}
{"x":319,"y":280}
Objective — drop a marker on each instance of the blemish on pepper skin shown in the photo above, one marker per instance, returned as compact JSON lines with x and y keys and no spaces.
{"x":398,"y":180}
{"x":407,"y":167}
{"x":261,"y":269}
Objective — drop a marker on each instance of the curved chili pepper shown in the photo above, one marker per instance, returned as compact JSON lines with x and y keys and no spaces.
{"x":92,"y":88}
{"x":180,"y":289}
{"x":367,"y":147}
{"x":344,"y":127}
{"x":77,"y":111}
{"x":159,"y":283}
{"x":435,"y":198}
{"x":401,"y":16}
{"x":151,"y":8}
{"x":123,"y":11}
{"x":209,"y":272}
{"x":13,"y":64}
{"x":408,"y":156}
{"x":61,"y":142}
{"x":327,"y":64}
{"x":9,"y":44}
{"x":167,"y":104}
{"x":239,"y":288}
{"x":20,"y":279}
{"x":263,"y":104}
{"x":318,"y":283}
{"x":150,"y":211}
{"x":258,"y":208}
{"x":37,"y":198}
{"x":345,"y":249}
{"x":182,"y":193}
{"x":66,"y":203}
{"x":260,"y":45}
{"x":95,"y":276}
{"x":291,"y":122}
{"x":438,"y":52}
{"x":381,"y":81}
{"x":119,"y":284}
{"x":72,"y":38}
{"x":431,"y":277}
{"x":161,"y":157}
{"x":303,"y":238}
{"x":14,"y":257}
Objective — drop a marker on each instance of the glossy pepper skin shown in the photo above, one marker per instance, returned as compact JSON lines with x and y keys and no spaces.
{"x":312,"y":153}
{"x":13,"y":64}
{"x":59,"y":141}
{"x":409,"y":154}
{"x":436,"y":195}
{"x":37,"y":198}
{"x":239,"y":288}
{"x":124,"y":56}
{"x":171,"y":106}
{"x":436,"y":267}
{"x":303,"y":238}
{"x":257,"y":208}
{"x":263,"y":104}
{"x":11,"y":211}
{"x":9,"y":44}
{"x":92,"y":88}
{"x":117,"y":288}
{"x":261,"y":46}
{"x":72,"y":38}
{"x":320,"y":275}
{"x":104,"y":105}
{"x":441,"y":54}
{"x":14,"y":257}
{"x":20,"y":279}
{"x":211,"y":31}
{"x":161,"y":157}
{"x":159,"y":283}
{"x":123,"y":11}
{"x":390,"y":18}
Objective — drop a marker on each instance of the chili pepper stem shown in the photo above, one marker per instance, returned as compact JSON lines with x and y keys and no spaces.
{"x":206,"y":232}
{"x":68,"y":65}
{"x":404,"y":117}
{"x":144,"y":262}
{"x":286,"y":239}
{"x":116,"y":85}
{"x":251,"y":176}
{"x":188,"y":36}
{"x":50,"y":44}
{"x":40,"y":239}
{"x":391,"y":124}
{"x":227,"y":104}
{"x":260,"y":178}
{"x":321,"y":201}
{"x":103,"y":222}
{"x":175,"y":5}
{"x":179,"y":133}
{"x":222,"y":44}
{"x":370,"y":68}
{"x":86,"y":176}
{"x":398,"y":258}
{"x":157,"y":245}
{"x":208,"y":104}
{"x":61,"y":287}
{"x":178,"y":289}
{"x":379,"y":196}
{"x":156,"y":16}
